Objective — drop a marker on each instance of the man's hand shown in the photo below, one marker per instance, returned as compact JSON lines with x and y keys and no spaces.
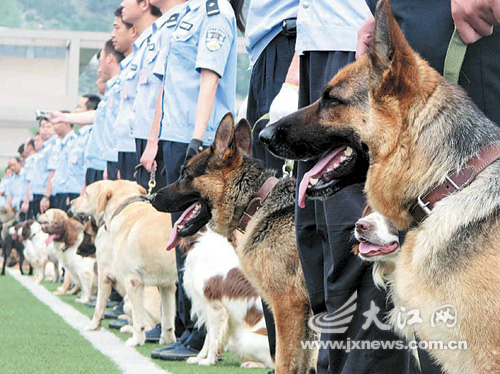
{"x":56,"y":116}
{"x":149,"y":155}
{"x":285,"y":102}
{"x":365,"y":35}
{"x":475,"y":18}
{"x":44,"y":205}
{"x":25,"y":206}
{"x":195,"y":147}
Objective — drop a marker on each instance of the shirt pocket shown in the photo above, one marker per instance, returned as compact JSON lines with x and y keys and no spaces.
{"x":184,"y":43}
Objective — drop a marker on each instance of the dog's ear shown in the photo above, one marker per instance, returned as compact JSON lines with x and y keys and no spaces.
{"x":393,"y":60}
{"x":243,"y":134}
{"x":224,"y":144}
{"x":71,"y":232}
{"x":105,"y":193}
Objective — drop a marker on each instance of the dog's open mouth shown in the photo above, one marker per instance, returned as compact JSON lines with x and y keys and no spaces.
{"x":325,"y":173}
{"x":189,"y":223}
{"x":370,"y":250}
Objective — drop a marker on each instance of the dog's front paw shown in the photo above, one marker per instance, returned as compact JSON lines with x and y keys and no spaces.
{"x":252,"y":365}
{"x":58,"y":293}
{"x":132,"y":342}
{"x":192,"y":360}
{"x":93,"y":327}
{"x":206,"y":362}
{"x":167,"y":339}
{"x":127,"y":329}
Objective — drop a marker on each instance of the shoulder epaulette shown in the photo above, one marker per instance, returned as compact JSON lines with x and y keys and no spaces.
{"x":172,"y":21}
{"x":212,"y":8}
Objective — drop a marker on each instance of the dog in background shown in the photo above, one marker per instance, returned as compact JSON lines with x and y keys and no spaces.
{"x":8,"y":218}
{"x":216,"y":187}
{"x":379,"y":243}
{"x":131,"y":252}
{"x":419,"y":132}
{"x":69,"y":233}
{"x":225,"y":302}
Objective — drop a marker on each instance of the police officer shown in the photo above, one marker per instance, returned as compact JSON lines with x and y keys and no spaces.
{"x":326,"y":39}
{"x":122,"y":93}
{"x":16,"y":186}
{"x":199,"y":88}
{"x":68,"y":177}
{"x":270,"y":41}
{"x":150,"y":87}
{"x":30,"y":151}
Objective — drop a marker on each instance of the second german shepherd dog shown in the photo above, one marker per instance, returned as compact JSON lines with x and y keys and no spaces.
{"x":417,"y":129}
{"x":215,"y":187}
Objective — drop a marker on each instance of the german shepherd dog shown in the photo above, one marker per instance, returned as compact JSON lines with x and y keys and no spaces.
{"x":215,"y":187}
{"x":417,"y":129}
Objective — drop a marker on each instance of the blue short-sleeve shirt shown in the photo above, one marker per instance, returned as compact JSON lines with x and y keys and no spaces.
{"x":94,"y":145}
{"x":40,"y":173}
{"x":109,"y":151}
{"x":69,"y":175}
{"x":128,"y":79}
{"x":148,"y":51}
{"x":200,"y":41}
{"x":17,"y":187}
{"x":264,"y":23}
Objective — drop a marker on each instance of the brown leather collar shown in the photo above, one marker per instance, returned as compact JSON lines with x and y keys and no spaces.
{"x":125,"y":204}
{"x":455,"y":181}
{"x":256,"y":203}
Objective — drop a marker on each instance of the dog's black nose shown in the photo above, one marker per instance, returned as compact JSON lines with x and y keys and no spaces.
{"x":266,"y":135}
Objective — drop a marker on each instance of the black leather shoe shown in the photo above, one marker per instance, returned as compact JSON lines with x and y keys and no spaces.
{"x":180,"y":353}
{"x":115,"y":313}
{"x":118,"y":323}
{"x":153,"y":335}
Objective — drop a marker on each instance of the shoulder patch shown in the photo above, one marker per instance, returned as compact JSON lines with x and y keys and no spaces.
{"x":215,"y":39}
{"x":212,"y":8}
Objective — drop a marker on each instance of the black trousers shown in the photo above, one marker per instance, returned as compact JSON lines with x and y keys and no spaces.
{"x":142,"y":176}
{"x":93,"y":175}
{"x":333,"y":274}
{"x":174,"y":154}
{"x":112,"y":168}
{"x":126,"y":164}
{"x":268,"y":75}
{"x":61,"y":200}
{"x":35,"y":204}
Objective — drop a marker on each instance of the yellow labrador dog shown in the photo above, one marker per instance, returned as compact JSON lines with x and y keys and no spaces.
{"x":133,"y":255}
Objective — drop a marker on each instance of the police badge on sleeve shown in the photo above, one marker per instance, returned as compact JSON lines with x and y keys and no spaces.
{"x":215,"y":39}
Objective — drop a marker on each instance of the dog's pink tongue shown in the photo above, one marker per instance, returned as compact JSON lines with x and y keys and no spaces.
{"x":366,"y":248}
{"x":50,"y":239}
{"x":175,"y":238}
{"x":317,"y":169}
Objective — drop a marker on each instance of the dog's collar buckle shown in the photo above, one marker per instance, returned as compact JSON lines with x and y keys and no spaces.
{"x":423,"y":206}
{"x":256,"y":204}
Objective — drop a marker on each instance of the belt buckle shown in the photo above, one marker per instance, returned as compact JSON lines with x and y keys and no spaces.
{"x":423,"y":206}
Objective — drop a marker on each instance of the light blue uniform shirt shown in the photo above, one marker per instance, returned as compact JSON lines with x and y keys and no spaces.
{"x":65,"y":179}
{"x":109,"y":151}
{"x":264,"y":23}
{"x":199,"y":42}
{"x":16,"y":187}
{"x":128,"y":79}
{"x":94,"y":145}
{"x":40,"y":172}
{"x":76,"y":161}
{"x":329,"y":25}
{"x":29,"y":168}
{"x":3,"y":188}
{"x":147,"y":53}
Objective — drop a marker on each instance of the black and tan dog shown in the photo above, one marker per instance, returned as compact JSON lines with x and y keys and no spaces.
{"x":216,"y":187}
{"x":9,"y":239}
{"x":421,"y":132}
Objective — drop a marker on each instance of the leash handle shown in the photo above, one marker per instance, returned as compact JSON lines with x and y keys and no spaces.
{"x":454,"y":58}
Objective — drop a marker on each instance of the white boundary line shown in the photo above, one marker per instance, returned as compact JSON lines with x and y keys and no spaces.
{"x":126,"y":358}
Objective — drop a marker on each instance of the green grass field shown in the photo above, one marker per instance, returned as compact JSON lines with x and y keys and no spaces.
{"x":23,"y":314}
{"x":35,"y":340}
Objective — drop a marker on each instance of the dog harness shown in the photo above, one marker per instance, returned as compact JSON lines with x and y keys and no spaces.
{"x":455,"y":181}
{"x":256,"y":203}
